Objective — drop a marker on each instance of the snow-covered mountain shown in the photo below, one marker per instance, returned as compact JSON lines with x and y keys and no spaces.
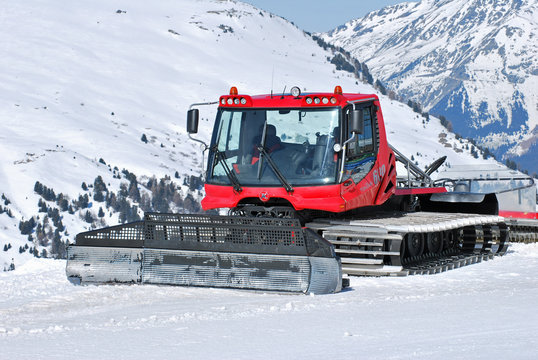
{"x":473,"y":61}
{"x":83,"y":83}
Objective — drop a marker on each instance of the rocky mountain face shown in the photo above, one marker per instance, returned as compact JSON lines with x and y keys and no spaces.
{"x":473,"y":61}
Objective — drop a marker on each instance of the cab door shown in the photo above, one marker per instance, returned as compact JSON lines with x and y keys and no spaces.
{"x":359,"y":181}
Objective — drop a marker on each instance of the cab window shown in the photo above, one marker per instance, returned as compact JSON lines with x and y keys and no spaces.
{"x":361,"y":152}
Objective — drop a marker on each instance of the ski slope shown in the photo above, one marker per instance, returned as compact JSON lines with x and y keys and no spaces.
{"x":482,"y":311}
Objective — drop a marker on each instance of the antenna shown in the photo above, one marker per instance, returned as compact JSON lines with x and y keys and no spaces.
{"x":272,"y":80}
{"x":284,"y":91}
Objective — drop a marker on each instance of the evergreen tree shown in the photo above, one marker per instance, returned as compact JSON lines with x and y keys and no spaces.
{"x":379,"y":86}
{"x":38,"y":188}
{"x":98,"y":196}
{"x":82,"y":202}
{"x":342,"y":64}
{"x":123,"y":191}
{"x":88,"y":217}
{"x":134,"y":193}
{"x":58,"y":247}
{"x":99,"y":188}
{"x":64,"y":204}
{"x":26,"y":227}
{"x":42,"y":206}
{"x":366,"y":74}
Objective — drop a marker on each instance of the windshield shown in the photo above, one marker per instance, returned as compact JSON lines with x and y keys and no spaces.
{"x":299,"y":143}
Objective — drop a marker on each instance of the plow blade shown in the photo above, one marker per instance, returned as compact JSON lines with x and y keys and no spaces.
{"x":207,"y":250}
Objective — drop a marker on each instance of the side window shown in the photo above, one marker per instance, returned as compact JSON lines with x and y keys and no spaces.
{"x":363,"y":143}
{"x":361,"y":152}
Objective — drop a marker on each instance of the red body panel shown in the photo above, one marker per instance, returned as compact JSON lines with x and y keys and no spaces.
{"x":518,"y":214}
{"x":420,"y":191}
{"x":310,"y":197}
{"x":374,"y":189}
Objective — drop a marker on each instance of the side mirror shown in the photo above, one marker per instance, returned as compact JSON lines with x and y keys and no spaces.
{"x":192,"y":121}
{"x":356,"y":122}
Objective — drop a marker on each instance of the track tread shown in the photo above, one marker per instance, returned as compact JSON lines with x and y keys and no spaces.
{"x":357,"y":241}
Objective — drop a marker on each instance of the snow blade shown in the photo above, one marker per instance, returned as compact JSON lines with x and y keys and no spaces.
{"x":207,"y":250}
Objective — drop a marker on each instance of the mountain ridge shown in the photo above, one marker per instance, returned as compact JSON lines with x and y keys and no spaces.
{"x":472,"y":61}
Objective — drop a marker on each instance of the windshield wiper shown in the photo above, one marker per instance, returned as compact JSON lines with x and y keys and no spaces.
{"x":265,"y":155}
{"x":231,"y":176}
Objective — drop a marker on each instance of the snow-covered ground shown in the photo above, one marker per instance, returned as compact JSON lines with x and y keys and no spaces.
{"x":482,"y":311}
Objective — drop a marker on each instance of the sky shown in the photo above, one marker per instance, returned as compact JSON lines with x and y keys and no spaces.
{"x":321,"y":16}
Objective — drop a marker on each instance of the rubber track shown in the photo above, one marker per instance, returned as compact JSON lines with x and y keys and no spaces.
{"x":364,"y":245}
{"x":446,"y":263}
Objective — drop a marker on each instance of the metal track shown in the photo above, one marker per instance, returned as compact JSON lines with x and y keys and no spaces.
{"x":379,"y":246}
{"x":523,"y":230}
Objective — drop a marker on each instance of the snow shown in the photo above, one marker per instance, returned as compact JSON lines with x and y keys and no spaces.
{"x":481,"y":311}
{"x":80,"y":81}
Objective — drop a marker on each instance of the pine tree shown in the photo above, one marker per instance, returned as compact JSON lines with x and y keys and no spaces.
{"x":379,"y":86}
{"x":62,"y":202}
{"x":26,"y":227}
{"x":38,"y":188}
{"x":42,"y":206}
{"x":134,"y":193}
{"x":88,"y":217}
{"x":366,"y":74}
{"x":58,"y":247}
